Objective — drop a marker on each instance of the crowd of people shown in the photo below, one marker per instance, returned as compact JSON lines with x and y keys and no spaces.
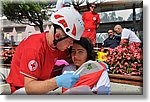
{"x":36,"y":55}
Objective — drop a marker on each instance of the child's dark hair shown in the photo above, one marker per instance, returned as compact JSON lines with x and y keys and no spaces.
{"x":87,"y":44}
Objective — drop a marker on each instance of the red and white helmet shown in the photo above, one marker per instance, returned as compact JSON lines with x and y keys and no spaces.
{"x":70,"y":20}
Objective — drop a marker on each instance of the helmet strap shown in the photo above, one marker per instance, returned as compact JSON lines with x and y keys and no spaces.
{"x":56,"y":41}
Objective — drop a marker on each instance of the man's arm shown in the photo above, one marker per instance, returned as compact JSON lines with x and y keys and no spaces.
{"x":66,"y":80}
{"x":97,"y":25}
{"x":98,"y":21}
{"x":123,"y":41}
{"x":33,"y":86}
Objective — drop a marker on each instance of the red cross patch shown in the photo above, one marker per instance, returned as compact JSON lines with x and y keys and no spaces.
{"x":94,"y":18}
{"x":32,"y":65}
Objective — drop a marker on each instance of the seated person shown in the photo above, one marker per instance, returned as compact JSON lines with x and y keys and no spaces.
{"x":126,"y":34}
{"x":112,"y":41}
{"x":82,"y":51}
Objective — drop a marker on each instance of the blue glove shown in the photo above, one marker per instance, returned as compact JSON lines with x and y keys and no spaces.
{"x":67,"y":80}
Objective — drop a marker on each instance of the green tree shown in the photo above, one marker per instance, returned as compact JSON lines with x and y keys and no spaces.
{"x":25,"y":12}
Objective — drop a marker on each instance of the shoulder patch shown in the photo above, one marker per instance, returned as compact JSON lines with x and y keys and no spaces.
{"x":32,"y":65}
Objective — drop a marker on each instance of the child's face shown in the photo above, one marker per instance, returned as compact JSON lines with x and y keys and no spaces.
{"x":79,"y":55}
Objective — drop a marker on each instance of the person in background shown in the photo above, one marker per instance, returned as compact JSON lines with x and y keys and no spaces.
{"x":35,"y":56}
{"x":81,"y":52}
{"x":91,"y":21}
{"x":126,"y":34}
{"x":112,"y":41}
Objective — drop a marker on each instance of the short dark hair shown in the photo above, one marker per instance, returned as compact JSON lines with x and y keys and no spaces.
{"x":87,"y":44}
{"x":90,"y":4}
{"x":110,"y":29}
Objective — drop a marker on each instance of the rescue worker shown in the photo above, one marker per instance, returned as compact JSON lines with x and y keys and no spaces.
{"x":36,"y":55}
{"x":91,"y":21}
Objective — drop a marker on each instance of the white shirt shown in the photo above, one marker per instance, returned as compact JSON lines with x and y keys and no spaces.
{"x":130,"y":35}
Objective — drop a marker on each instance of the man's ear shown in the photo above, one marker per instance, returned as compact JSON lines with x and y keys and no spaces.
{"x":57,"y":35}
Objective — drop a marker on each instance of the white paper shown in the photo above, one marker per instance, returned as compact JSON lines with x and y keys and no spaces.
{"x":88,"y":67}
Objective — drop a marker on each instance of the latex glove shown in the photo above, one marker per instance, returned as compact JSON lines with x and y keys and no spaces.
{"x":67,"y":80}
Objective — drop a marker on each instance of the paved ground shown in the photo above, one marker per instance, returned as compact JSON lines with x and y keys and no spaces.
{"x":117,"y":88}
{"x":122,"y":89}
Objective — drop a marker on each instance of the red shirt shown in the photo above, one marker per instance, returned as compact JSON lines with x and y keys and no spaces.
{"x":33,"y":58}
{"x":90,"y":20}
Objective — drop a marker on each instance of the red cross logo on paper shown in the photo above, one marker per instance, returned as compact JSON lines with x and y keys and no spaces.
{"x":32,"y":65}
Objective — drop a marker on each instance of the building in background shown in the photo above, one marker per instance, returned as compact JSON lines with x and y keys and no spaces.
{"x":13,"y":33}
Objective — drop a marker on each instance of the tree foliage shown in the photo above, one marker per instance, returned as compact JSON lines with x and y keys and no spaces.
{"x":24,"y":12}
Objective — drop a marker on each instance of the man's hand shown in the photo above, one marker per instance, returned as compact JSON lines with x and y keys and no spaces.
{"x":67,"y":80}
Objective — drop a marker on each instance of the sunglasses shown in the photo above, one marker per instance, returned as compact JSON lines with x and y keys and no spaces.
{"x":93,"y":6}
